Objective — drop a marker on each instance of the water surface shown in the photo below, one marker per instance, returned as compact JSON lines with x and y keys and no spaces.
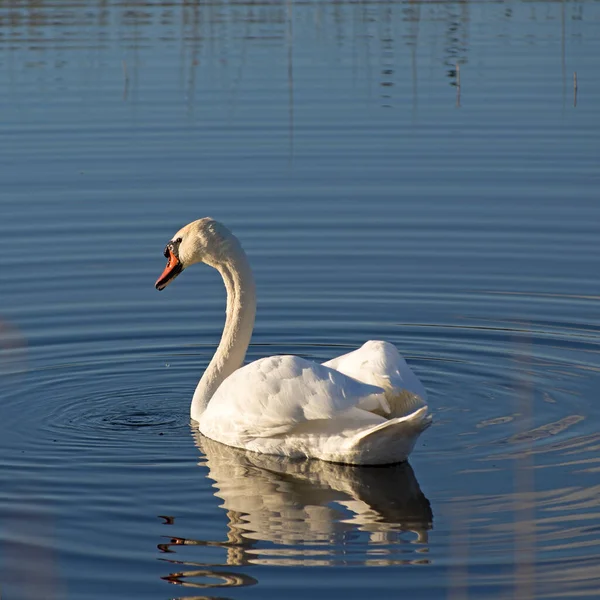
{"x":420,"y":172}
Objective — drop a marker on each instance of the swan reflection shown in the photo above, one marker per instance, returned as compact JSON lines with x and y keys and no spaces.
{"x":307,"y":512}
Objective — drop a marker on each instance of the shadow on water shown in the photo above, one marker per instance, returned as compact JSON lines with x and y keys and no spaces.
{"x":304,"y":513}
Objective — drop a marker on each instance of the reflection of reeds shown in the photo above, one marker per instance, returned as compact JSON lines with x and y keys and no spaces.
{"x":125,"y":79}
{"x":521,"y":502}
{"x":290,"y":74}
{"x":215,"y":35}
{"x":12,"y":349}
{"x":458,"y":584}
{"x":29,"y":562}
{"x":524,"y":496}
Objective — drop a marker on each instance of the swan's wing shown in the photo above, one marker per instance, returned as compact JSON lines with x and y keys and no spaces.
{"x":379,"y":363}
{"x":274,"y":395}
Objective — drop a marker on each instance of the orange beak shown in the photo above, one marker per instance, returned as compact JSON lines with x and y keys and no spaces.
{"x":171,"y":271}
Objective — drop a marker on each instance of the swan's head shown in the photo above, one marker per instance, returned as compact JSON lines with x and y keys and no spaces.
{"x":205,"y":240}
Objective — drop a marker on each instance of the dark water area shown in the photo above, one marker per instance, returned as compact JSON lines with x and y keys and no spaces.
{"x":427,"y":173}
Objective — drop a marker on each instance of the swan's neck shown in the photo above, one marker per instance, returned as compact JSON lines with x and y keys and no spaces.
{"x":239,"y":322}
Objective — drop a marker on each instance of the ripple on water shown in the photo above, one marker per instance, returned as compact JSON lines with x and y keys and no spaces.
{"x":94,"y":407}
{"x":502,"y":387}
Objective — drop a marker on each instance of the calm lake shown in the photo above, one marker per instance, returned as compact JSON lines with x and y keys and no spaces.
{"x":423,"y":172}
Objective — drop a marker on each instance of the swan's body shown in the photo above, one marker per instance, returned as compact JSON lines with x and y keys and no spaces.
{"x":365,"y":407}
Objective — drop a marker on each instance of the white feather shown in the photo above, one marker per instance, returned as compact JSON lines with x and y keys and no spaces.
{"x":379,"y":363}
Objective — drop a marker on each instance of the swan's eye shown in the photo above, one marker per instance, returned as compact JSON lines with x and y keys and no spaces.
{"x":177,"y":241}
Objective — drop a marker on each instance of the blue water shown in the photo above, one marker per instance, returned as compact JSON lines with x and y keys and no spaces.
{"x":420,"y":172}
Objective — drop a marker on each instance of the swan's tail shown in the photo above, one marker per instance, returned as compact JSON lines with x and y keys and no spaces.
{"x":392,"y":441}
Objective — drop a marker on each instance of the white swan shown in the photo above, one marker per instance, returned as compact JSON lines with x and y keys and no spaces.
{"x":366,"y":407}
